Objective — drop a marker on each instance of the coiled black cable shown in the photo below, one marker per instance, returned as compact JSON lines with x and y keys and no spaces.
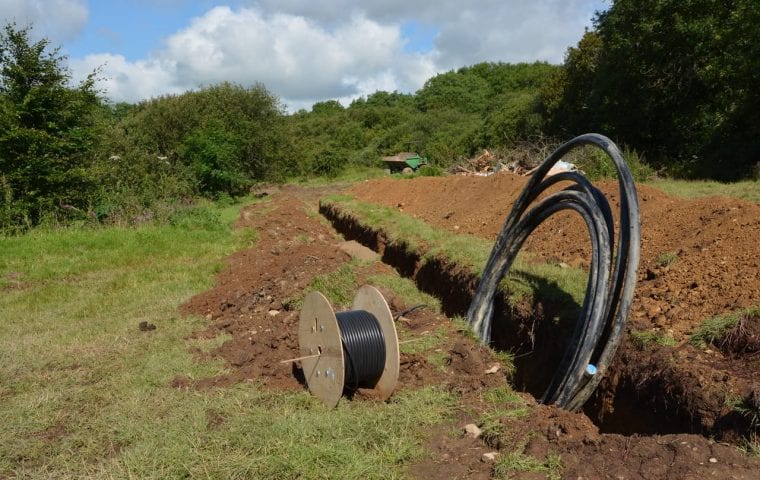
{"x":612,"y":275}
{"x":363,"y":348}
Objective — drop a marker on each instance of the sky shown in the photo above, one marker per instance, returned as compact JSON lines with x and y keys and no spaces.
{"x":303,"y":51}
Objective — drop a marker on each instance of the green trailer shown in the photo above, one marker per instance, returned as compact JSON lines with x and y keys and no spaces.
{"x":403,"y":160}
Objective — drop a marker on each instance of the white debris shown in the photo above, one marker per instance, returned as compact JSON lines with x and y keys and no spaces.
{"x":472,"y":430}
{"x":489,"y":457}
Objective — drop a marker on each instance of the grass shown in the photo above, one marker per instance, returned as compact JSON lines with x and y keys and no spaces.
{"x":745,"y":190}
{"x":643,"y":338}
{"x":526,"y":279}
{"x":503,"y":405}
{"x":339,"y":287}
{"x":424,"y":342}
{"x":84,"y":393}
{"x":666,"y":259}
{"x":715,"y":327}
{"x":515,"y":461}
{"x":406,"y":290}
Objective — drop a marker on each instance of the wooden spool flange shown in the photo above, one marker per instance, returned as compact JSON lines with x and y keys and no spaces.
{"x":318,"y":333}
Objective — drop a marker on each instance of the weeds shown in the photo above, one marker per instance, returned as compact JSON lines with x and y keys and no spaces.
{"x":715,"y":328}
{"x":339,"y":286}
{"x":425,"y":342}
{"x":596,"y":165}
{"x":643,"y":338}
{"x":666,"y":259}
{"x":746,"y":190}
{"x":514,"y":461}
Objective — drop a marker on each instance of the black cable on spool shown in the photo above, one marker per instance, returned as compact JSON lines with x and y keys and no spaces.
{"x":363,"y":347}
{"x":611,"y":279}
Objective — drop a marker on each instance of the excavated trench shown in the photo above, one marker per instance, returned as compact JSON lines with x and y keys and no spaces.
{"x":642,"y":393}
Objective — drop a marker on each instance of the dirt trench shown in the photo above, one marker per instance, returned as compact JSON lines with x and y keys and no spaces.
{"x":645,"y":391}
{"x":699,"y":258}
{"x":252,"y":303}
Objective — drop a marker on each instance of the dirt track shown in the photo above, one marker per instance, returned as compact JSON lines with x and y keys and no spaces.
{"x":715,"y":270}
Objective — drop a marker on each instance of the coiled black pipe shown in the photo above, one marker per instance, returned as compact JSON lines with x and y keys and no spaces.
{"x":612,"y":275}
{"x":363,"y":348}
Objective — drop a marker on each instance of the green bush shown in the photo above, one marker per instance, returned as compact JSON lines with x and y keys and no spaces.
{"x":46,"y":132}
{"x":597,"y":165}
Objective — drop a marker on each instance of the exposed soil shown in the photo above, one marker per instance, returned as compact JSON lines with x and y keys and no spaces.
{"x":712,"y":243}
{"x":253,"y":293}
{"x":251,"y":297}
{"x":700,"y":258}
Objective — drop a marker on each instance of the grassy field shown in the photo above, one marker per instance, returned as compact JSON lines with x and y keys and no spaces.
{"x":84,"y":393}
{"x":746,"y":190}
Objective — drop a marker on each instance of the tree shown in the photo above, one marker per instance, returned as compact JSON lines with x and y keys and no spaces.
{"x":464,"y":92}
{"x":675,"y":79}
{"x":46,"y":129}
{"x":227,"y":134}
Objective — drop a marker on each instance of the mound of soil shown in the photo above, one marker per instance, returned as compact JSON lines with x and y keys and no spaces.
{"x":699,"y":257}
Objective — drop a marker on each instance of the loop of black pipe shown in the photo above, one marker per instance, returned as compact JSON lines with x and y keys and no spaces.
{"x":363,"y":348}
{"x":612,"y":275}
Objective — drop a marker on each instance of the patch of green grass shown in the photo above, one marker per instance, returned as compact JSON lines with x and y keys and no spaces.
{"x":503,"y":403}
{"x":751,"y":446}
{"x":712,"y":329}
{"x":667,"y":259}
{"x":406,"y":290}
{"x":207,"y":345}
{"x":526,"y":280}
{"x":716,"y":327}
{"x":502,"y":395}
{"x":510,"y":462}
{"x":85,"y":394}
{"x":745,"y":190}
{"x":424,"y":342}
{"x":643,"y":338}
{"x":339,"y":286}
{"x":440,"y":360}
{"x":462,"y":327}
{"x":596,"y":165}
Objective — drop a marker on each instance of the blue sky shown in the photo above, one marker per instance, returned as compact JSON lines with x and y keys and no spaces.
{"x":303,"y":51}
{"x":134,"y":28}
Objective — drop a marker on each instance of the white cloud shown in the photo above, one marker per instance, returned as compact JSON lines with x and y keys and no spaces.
{"x":58,"y":20}
{"x":305,"y":51}
{"x":469,"y":32}
{"x":294,"y":57}
{"x":122,"y":80}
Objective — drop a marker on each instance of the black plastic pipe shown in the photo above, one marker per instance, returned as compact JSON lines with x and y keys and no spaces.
{"x":612,"y":275}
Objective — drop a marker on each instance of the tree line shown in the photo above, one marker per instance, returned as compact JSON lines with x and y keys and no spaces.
{"x":673,"y":80}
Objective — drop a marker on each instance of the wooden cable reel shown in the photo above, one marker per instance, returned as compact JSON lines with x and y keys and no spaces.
{"x":321,"y":344}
